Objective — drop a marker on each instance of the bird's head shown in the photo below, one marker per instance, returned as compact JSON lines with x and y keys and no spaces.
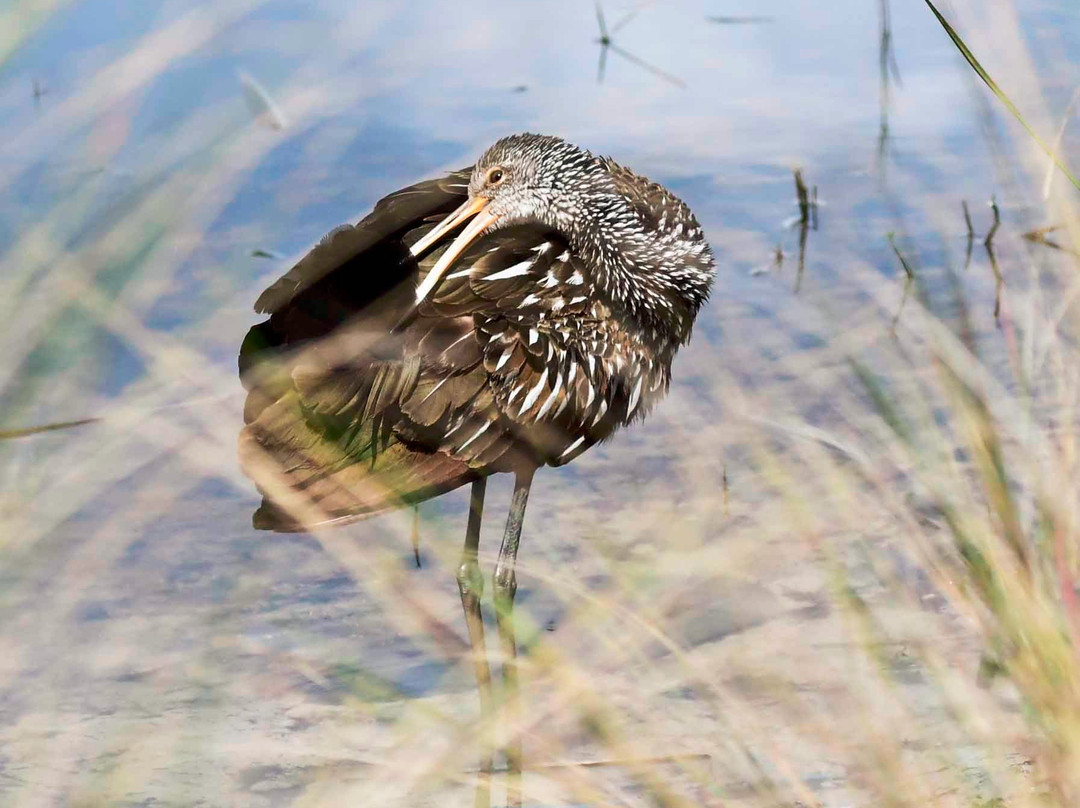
{"x":521,"y":179}
{"x":642,"y":244}
{"x":534,"y":179}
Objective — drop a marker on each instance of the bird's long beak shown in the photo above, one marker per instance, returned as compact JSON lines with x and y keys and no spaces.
{"x":467,"y":209}
{"x":475,"y":207}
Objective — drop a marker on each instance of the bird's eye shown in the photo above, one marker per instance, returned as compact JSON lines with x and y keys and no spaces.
{"x":495,"y":176}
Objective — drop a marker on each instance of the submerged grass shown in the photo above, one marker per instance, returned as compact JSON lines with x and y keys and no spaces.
{"x":845,"y":576}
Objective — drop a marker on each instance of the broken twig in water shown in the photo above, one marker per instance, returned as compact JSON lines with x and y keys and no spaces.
{"x":997,"y":222}
{"x":970,"y":234}
{"x":999,"y":281}
{"x":805,"y":212}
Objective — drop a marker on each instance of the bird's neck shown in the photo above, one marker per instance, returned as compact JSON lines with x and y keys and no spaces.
{"x":633,"y":268}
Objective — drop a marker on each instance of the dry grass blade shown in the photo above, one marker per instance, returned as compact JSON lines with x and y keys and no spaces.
{"x":8,"y":434}
{"x":896,"y":250}
{"x":1049,"y":180}
{"x":996,"y":90}
{"x":262,"y":105}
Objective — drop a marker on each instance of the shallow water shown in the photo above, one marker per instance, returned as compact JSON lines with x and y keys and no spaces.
{"x":159,"y":651}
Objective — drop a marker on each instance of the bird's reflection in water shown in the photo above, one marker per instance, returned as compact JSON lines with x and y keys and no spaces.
{"x":400,"y":362}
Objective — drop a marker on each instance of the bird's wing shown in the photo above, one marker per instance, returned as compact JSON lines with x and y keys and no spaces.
{"x":392,"y":217}
{"x":324,"y":378}
{"x":505,"y":364}
{"x":548,"y":347}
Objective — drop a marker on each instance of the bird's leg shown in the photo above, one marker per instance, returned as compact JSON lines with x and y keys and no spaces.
{"x":505,"y":583}
{"x":471,"y":586}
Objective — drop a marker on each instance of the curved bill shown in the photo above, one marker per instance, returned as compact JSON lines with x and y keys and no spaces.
{"x":467,"y":209}
{"x":478,"y":208}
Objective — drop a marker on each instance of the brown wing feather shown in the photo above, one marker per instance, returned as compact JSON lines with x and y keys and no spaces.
{"x":653,"y":201}
{"x":325,"y":449}
{"x":536,"y":321}
{"x":307,"y":481}
{"x":325,"y":381}
{"x":390,"y":220}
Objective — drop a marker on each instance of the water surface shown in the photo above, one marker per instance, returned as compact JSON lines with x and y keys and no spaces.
{"x":157,"y":650}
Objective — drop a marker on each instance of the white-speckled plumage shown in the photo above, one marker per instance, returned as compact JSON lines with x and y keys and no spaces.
{"x":555,"y":327}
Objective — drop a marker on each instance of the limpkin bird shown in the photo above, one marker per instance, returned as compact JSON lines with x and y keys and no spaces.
{"x":399,"y":363}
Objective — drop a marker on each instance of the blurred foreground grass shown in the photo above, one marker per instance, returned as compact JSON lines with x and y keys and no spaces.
{"x":832,"y":571}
